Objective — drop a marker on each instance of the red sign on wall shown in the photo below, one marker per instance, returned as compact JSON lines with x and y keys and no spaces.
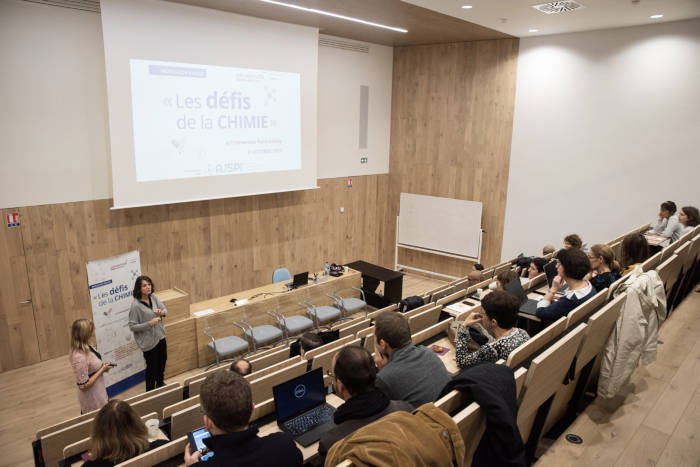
{"x":12,"y":219}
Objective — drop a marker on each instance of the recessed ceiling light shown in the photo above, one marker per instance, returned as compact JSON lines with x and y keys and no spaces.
{"x":467,"y":7}
{"x":532,"y":30}
{"x":656,"y":16}
{"x":335,"y":15}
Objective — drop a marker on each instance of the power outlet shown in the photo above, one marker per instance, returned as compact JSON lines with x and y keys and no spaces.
{"x":363,"y":160}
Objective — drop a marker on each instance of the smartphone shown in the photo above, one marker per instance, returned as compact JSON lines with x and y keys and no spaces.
{"x":196,"y":439}
{"x":113,"y":364}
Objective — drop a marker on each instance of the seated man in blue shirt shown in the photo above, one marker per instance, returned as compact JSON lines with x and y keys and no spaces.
{"x":572,"y":265}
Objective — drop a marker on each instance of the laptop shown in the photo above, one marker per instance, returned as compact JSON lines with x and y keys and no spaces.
{"x":299,"y":280}
{"x":301,"y":408}
{"x":527,"y":305}
{"x":550,"y":269}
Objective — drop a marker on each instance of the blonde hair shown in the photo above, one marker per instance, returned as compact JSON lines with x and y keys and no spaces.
{"x":118,"y":433}
{"x":80,"y":335}
{"x":604,"y":251}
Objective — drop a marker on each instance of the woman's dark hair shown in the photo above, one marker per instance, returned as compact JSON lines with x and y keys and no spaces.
{"x":355,"y":368}
{"x":478,"y":266}
{"x":310,"y":341}
{"x":693,"y":215}
{"x":635,"y":249}
{"x":539,"y":263}
{"x":574,"y":240}
{"x":575,"y":263}
{"x":669,"y":206}
{"x":137,"y":286}
{"x":503,"y":307}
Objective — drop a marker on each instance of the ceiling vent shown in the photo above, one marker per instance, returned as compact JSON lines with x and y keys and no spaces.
{"x":341,"y":44}
{"x":84,"y":5}
{"x":552,"y":8}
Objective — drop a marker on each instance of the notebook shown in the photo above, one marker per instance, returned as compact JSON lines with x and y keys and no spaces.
{"x":301,"y":408}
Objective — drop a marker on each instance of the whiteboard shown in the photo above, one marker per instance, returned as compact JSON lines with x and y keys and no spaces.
{"x":443,"y":224}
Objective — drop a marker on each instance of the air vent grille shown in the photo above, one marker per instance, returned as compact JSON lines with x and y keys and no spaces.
{"x":553,"y":8}
{"x":85,"y":5}
{"x":341,"y":44}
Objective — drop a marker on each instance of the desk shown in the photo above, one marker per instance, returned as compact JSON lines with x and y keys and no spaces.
{"x":269,"y":297}
{"x":372,"y":275}
{"x":656,"y":239}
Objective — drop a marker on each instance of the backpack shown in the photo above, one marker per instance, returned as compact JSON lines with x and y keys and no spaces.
{"x":410,"y":303}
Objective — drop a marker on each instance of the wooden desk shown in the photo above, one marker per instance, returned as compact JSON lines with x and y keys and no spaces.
{"x":655,"y":239}
{"x":270,"y":297}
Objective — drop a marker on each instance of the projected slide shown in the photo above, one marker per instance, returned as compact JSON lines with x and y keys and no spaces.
{"x":199,"y":121}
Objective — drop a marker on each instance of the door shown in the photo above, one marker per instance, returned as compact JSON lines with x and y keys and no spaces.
{"x":19,"y":345}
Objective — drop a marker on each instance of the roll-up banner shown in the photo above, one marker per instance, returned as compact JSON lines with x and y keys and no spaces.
{"x":111,"y":282}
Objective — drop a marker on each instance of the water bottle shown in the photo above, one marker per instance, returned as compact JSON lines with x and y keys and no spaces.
{"x":326,"y":269}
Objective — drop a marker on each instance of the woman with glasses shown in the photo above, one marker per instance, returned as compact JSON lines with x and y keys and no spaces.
{"x":604,"y":267}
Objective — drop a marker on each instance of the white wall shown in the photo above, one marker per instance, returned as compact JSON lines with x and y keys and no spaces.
{"x":53,"y":123}
{"x":340,"y":75}
{"x":54,"y":145}
{"x":606,"y":127}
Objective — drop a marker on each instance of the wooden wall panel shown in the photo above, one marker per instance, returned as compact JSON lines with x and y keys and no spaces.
{"x":208,"y":249}
{"x":451,"y":127}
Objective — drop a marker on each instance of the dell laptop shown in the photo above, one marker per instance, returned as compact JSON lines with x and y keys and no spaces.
{"x":301,"y":408}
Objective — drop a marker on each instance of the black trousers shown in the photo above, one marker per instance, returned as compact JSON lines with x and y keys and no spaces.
{"x":155,"y":365}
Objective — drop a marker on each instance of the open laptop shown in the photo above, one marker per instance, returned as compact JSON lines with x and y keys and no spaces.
{"x":301,"y":408}
{"x":299,"y":280}
{"x":550,"y":269}
{"x":527,"y":305}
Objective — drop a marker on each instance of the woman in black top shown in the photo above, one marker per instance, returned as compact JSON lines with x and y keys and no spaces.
{"x":604,"y":268}
{"x":118,"y":434}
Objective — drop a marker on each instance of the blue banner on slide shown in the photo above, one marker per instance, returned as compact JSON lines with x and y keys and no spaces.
{"x":128,"y":383}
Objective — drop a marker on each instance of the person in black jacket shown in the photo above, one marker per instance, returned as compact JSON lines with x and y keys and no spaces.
{"x":227,"y":403}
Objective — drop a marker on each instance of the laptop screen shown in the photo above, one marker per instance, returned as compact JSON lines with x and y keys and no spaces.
{"x":301,"y":279}
{"x":299,"y":394}
{"x":516,"y":288}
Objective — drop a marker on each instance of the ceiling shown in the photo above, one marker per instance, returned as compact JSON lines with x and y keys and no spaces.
{"x":425,"y":26}
{"x":520,"y":17}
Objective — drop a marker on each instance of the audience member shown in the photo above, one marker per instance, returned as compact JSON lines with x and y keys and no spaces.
{"x":667,"y":224}
{"x":87,"y":366}
{"x":309,"y":341}
{"x":477,"y":267}
{"x":504,"y":278}
{"x":118,"y":434}
{"x":474,"y":277}
{"x":605,"y":269}
{"x":634,"y":251}
{"x":572,"y":266}
{"x":412,"y":373}
{"x":227,"y":404}
{"x":242,"y":367}
{"x":572,"y":241}
{"x":501,"y":314}
{"x":354,"y":376}
{"x":689,"y":218}
{"x":547,"y":249}
{"x":536,"y":267}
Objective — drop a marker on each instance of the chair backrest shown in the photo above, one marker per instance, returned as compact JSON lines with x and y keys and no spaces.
{"x":368,"y":343}
{"x":669,"y":272}
{"x":520,"y":375}
{"x":157,"y":402}
{"x":183,"y":404}
{"x":534,"y":282}
{"x":269,"y":359}
{"x":463,"y":315}
{"x":262,"y":387}
{"x":452,"y":297}
{"x":324,"y":360}
{"x":158,"y":455}
{"x":669,"y":250}
{"x":481,"y":285}
{"x":419,"y":309}
{"x":331,"y":345}
{"x":502,"y":268}
{"x":652,"y":262}
{"x":432,"y":331}
{"x":84,"y":444}
{"x":280,"y":275}
{"x":451,"y":402}
{"x":355,"y":328}
{"x":424,"y":319}
{"x":52,"y":444}
{"x":190,"y":418}
{"x":362,"y":333}
{"x":445,"y":291}
{"x":616,"y":284}
{"x":487,"y":273}
{"x":520,"y":354}
{"x":374,"y":314}
{"x":589,"y":306}
{"x":600,"y":325}
{"x":471,"y":422}
{"x":546,"y":373}
{"x":272,"y":368}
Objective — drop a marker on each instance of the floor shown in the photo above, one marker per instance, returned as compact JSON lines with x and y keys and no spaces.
{"x":656,"y":421}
